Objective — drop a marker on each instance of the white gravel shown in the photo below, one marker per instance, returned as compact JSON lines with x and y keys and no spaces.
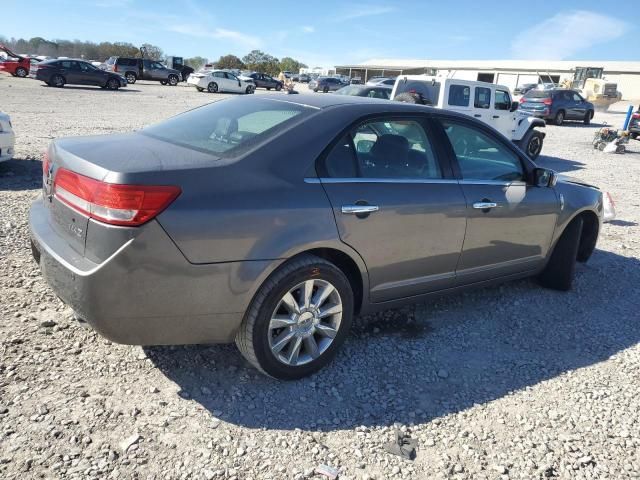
{"x":502,"y":383}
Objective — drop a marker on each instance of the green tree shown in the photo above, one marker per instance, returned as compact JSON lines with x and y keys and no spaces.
{"x":288,"y":64}
{"x":230,"y":62}
{"x":195,"y":62}
{"x":262,"y":62}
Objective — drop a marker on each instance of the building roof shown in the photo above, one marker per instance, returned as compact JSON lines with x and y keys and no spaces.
{"x":519,"y":65}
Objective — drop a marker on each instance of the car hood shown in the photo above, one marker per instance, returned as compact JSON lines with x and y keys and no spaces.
{"x":575,"y":181}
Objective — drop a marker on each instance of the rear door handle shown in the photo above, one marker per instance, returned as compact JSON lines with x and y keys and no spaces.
{"x":359,"y":209}
{"x":477,"y":115}
{"x":496,"y":116}
{"x":484,"y":205}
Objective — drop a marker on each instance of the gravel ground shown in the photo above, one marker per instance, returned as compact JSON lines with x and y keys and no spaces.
{"x":500,"y":383}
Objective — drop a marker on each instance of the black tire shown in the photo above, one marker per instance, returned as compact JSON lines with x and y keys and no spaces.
{"x":532,"y":143}
{"x":278,"y":87}
{"x":131,"y":77}
{"x":163,"y":82}
{"x":587,"y":117}
{"x":325,"y":89}
{"x":21,"y":72}
{"x":560,"y":270}
{"x":200,"y":89}
{"x":250,"y":90}
{"x":559,"y":118}
{"x":212,"y":87}
{"x":268,"y":88}
{"x":173,"y":80}
{"x":253,"y":337}
{"x":57,"y":81}
{"x":113,"y":84}
{"x":407,"y":98}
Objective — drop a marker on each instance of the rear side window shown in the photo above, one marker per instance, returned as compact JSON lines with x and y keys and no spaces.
{"x":459,"y":95}
{"x":394,"y":149}
{"x":537,"y":94}
{"x":482,"y":98}
{"x":228,"y":127}
{"x":480,"y":156}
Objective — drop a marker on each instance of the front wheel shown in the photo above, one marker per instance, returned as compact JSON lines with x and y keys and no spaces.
{"x":113,"y":84}
{"x":532,"y":143}
{"x":57,"y":81}
{"x":131,"y":77}
{"x":278,"y":87}
{"x":298,"y":319}
{"x":250,"y":90}
{"x":212,"y":87}
{"x":559,"y":118}
{"x":163,"y":82}
{"x":559,"y":272}
{"x":587,"y":117}
{"x":200,"y":89}
{"x":21,"y":72}
{"x":173,"y":80}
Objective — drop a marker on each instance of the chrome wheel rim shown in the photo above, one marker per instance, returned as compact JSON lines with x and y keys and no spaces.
{"x":305,"y":322}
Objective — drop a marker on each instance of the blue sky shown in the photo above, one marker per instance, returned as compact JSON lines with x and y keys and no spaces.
{"x":329,"y":32}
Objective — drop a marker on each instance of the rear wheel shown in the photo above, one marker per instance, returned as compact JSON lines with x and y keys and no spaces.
{"x":212,"y":87}
{"x":131,"y":77}
{"x":298,"y":319}
{"x":200,"y":89}
{"x":173,"y":80}
{"x":113,"y":84}
{"x":163,"y":82}
{"x":57,"y":81}
{"x":325,"y":89}
{"x":278,"y":87}
{"x":559,"y":272}
{"x":559,"y":118}
{"x":21,"y":72}
{"x":587,"y":117}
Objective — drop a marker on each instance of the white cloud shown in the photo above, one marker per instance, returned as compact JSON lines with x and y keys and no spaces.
{"x":245,"y":40}
{"x":308,"y":29}
{"x":565,"y":34}
{"x":362,"y":10}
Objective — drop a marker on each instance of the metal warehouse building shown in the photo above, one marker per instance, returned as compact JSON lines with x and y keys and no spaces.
{"x":505,"y":72}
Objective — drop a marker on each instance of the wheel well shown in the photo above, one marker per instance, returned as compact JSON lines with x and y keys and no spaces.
{"x":589,"y":236}
{"x":345,"y":263}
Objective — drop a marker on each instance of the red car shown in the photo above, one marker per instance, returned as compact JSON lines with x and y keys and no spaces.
{"x":14,"y":64}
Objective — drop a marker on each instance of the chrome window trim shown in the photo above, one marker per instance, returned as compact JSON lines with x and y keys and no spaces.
{"x":380,"y":180}
{"x":492,"y":182}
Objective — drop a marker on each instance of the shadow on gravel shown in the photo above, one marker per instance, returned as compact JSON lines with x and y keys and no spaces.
{"x":20,"y":174}
{"x":560,"y":165}
{"x":420,"y":363}
{"x":94,"y":89}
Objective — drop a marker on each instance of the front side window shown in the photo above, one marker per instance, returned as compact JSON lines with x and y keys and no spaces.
{"x":482,"y":98}
{"x":67,"y":64}
{"x":482,"y":157}
{"x":503,"y":100}
{"x":227,"y":128}
{"x":230,"y":76}
{"x":394,"y":149}
{"x":577,"y":98}
{"x":459,"y":95}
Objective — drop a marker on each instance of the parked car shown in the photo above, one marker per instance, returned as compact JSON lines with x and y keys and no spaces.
{"x":177,"y":63}
{"x":524,"y":88}
{"x":557,"y":105}
{"x":371,"y":91}
{"x":304,"y":78}
{"x":215,"y":81}
{"x":244,"y":220}
{"x":14,"y":64}
{"x":326,"y":84}
{"x":634,"y":125}
{"x":262,"y":80}
{"x":58,"y":73}
{"x":134,"y":69}
{"x":7,"y":138}
{"x":492,"y":104}
{"x":382,"y":81}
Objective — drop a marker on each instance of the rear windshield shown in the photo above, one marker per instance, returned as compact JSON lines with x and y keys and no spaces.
{"x":228,"y":128}
{"x":537,"y":94}
{"x":427,"y":89}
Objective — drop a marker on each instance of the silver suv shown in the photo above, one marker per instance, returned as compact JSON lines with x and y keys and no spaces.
{"x":134,"y":69}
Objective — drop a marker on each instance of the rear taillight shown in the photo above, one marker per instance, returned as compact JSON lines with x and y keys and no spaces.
{"x":46,"y":163}
{"x":112,"y":203}
{"x":548,"y":101}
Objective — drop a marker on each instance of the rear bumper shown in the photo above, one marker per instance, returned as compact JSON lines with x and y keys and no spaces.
{"x":146,"y":293}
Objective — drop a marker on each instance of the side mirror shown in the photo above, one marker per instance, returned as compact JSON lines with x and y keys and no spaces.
{"x":514,"y":106}
{"x":543,"y":177}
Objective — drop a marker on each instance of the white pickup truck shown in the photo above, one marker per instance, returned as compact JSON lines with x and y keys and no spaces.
{"x":490,"y":103}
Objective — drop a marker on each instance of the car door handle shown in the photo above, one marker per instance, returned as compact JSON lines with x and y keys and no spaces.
{"x":359,"y":209}
{"x":484,"y":205}
{"x":477,"y":115}
{"x":496,"y":116}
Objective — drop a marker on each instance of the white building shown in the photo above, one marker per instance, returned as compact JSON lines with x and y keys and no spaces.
{"x":511,"y":73}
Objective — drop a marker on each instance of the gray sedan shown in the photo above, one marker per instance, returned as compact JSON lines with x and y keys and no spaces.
{"x":272,"y":223}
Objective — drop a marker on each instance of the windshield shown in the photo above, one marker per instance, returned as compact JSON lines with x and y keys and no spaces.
{"x":228,"y":128}
{"x":426,"y":88}
{"x":349,"y":90}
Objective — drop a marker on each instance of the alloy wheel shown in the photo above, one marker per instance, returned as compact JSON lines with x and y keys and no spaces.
{"x":305,"y":322}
